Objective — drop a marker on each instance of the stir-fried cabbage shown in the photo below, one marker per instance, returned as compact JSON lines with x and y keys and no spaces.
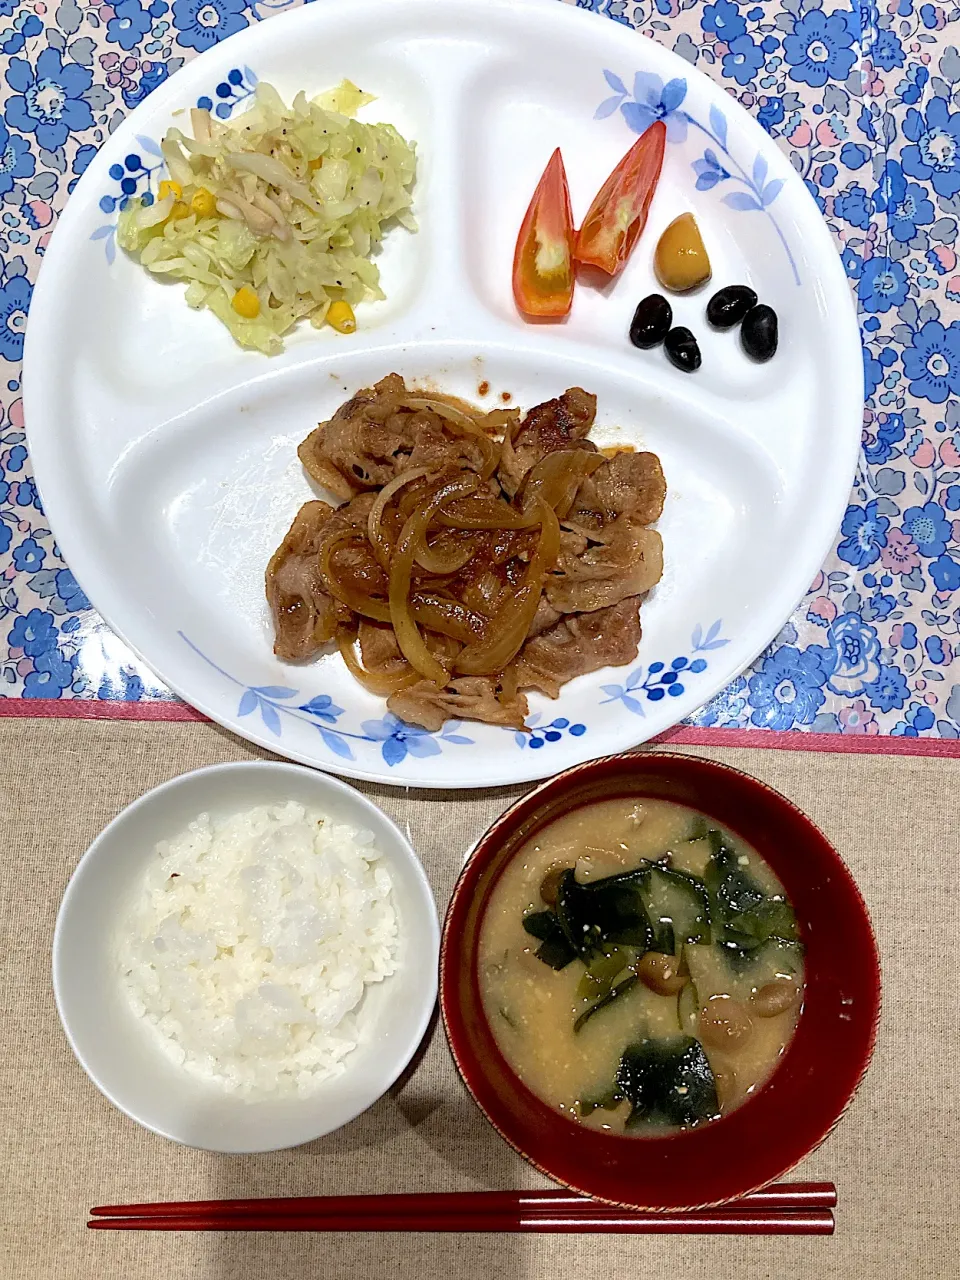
{"x":287,"y":202}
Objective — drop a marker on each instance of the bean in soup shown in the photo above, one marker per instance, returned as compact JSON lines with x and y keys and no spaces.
{"x":640,"y":968}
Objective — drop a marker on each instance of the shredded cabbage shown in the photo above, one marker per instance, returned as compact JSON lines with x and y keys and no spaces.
{"x":290,"y":202}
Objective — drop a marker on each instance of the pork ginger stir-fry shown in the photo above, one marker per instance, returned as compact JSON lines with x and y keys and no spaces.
{"x":475,"y":556}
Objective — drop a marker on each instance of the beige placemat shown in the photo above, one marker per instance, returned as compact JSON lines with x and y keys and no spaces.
{"x":64,"y":1148}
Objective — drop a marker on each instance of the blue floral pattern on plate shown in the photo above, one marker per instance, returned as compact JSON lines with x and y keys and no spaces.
{"x":229,"y":93}
{"x":662,"y":680}
{"x":397,"y":739}
{"x":273,"y":703}
{"x":863,"y":102}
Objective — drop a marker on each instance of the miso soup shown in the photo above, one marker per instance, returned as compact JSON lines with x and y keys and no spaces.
{"x":640,"y":968}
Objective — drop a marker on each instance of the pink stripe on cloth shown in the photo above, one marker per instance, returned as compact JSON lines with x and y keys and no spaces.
{"x":796,"y":740}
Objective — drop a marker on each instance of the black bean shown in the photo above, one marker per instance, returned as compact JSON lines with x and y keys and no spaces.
{"x":681,"y":346}
{"x":651,"y":321}
{"x":728,"y":306}
{"x":758,"y":332}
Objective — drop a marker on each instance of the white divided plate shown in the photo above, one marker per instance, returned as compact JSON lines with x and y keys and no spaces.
{"x":166,"y":456}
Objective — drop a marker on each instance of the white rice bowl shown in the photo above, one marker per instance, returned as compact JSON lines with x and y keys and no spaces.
{"x":250,"y":945}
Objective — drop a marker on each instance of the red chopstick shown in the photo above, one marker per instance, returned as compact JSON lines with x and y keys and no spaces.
{"x":710,"y":1222}
{"x":785,"y":1195}
{"x":794,"y":1208}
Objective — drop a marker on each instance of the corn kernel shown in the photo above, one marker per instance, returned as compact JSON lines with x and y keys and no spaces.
{"x":168,"y":187}
{"x":246,"y":303}
{"x":313,"y":165}
{"x":341,"y":317}
{"x":179,"y":210}
{"x":204,"y":204}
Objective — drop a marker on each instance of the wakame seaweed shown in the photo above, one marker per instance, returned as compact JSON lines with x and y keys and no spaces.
{"x":554,"y":949}
{"x":669,"y":1081}
{"x":608,"y":1101}
{"x":601,"y":970}
{"x":658,"y":908}
{"x":682,"y":899}
{"x":614,"y":994}
{"x":604,"y":911}
{"x":746,"y":916}
{"x":664,"y":939}
{"x":619,"y":910}
{"x":735,"y":890}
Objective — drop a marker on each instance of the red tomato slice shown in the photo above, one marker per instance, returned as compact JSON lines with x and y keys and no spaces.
{"x":619,"y":211}
{"x":543,"y":259}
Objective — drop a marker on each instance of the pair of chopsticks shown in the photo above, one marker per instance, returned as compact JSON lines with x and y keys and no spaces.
{"x":799,"y":1208}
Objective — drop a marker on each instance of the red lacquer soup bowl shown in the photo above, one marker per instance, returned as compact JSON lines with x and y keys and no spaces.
{"x":821,"y":1067}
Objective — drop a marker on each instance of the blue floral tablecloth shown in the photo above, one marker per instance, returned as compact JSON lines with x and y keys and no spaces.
{"x":866,"y":103}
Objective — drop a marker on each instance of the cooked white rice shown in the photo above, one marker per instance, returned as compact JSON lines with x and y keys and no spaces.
{"x":251,"y":943}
